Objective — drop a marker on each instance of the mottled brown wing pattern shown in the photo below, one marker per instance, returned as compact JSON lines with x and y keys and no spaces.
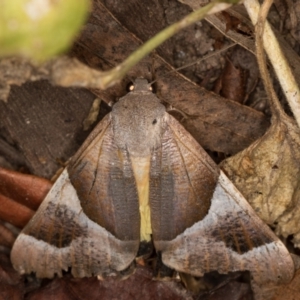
{"x":79,"y":224}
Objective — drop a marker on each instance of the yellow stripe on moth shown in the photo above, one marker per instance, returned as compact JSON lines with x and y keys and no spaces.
{"x":141,"y":169}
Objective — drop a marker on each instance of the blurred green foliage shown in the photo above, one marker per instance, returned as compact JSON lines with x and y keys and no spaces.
{"x":39,"y":29}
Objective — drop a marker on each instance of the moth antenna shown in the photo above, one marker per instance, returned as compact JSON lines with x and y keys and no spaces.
{"x":197,"y":61}
{"x":153,"y":73}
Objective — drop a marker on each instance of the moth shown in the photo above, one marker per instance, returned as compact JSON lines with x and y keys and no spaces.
{"x":140,"y":177}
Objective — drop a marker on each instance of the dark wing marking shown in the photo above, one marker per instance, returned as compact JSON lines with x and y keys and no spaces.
{"x":80,"y":223}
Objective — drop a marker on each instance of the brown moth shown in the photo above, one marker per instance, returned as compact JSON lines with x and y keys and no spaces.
{"x":140,"y":176}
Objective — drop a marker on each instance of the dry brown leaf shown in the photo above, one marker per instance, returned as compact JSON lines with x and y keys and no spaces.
{"x":214,"y":286}
{"x":138,"y":286}
{"x":232,"y":291}
{"x":232,"y":83}
{"x":289,"y":291}
{"x":268,"y":174}
{"x":11,"y":283}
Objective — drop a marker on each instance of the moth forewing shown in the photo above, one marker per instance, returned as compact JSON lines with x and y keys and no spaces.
{"x":141,"y":175}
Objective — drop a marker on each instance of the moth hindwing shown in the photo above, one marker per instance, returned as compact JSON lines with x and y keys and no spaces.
{"x":140,"y":176}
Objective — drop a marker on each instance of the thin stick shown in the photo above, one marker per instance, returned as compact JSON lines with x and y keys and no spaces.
{"x":275,"y":106}
{"x":278,"y":61}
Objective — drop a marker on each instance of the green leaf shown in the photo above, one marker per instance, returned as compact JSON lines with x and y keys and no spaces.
{"x":39,"y":29}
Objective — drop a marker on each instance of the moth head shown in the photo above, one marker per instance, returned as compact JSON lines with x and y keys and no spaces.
{"x":140,"y":85}
{"x":138,"y":120}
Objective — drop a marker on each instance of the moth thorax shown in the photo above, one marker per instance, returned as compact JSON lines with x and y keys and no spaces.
{"x":138,"y":123}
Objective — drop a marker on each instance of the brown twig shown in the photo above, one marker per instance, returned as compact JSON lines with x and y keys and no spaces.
{"x":275,"y":106}
{"x":26,"y":189}
{"x":278,"y":61}
{"x":14,"y":212}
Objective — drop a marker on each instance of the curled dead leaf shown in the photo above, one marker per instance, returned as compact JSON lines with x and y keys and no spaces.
{"x":232,"y":83}
{"x":268,"y":175}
